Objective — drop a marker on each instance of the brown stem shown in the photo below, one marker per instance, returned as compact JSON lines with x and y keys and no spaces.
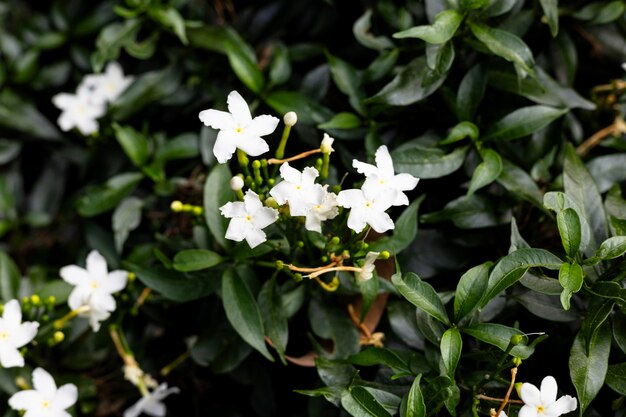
{"x":274,"y":161}
{"x":487,"y":398}
{"x":302,"y":269}
{"x":508,"y":393}
{"x":618,"y":126}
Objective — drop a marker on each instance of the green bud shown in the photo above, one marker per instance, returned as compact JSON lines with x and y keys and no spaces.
{"x":384,"y":255}
{"x":300,"y":244}
{"x":297,"y":277}
{"x":176,"y":206}
{"x":271,"y":182}
{"x":517,"y":362}
{"x":35,"y":299}
{"x":335,"y":240}
{"x":280,"y":264}
{"x":264,"y":163}
{"x":516,"y":339}
{"x":132,"y":276}
{"x":270,"y":202}
{"x":256,"y":164}
{"x":58,"y":336}
{"x":324,"y":259}
{"x":197,"y":210}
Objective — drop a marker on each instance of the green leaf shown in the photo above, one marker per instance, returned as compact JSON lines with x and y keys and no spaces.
{"x":551,"y":12}
{"x":403,"y":322}
{"x":348,"y":80}
{"x":195,"y":260}
{"x":331,"y":323}
{"x":171,"y":18}
{"x":362,"y":33}
{"x":486,"y":172}
{"x":470,"y":290}
{"x":441,"y":31}
{"x":523,"y":122}
{"x":415,"y":406}
{"x":470,"y":212}
{"x":471,"y":92}
{"x":571,"y":279}
{"x":174,"y":285}
{"x":616,"y":378}
{"x":403,"y":234}
{"x":428,"y":162}
{"x":126,"y":217}
{"x":107,"y":196}
{"x":309,"y":111}
{"x":588,"y":368}
{"x":619,"y":323}
{"x":111,"y":39}
{"x":597,"y":314}
{"x":579,"y":185}
{"x":343,"y":120}
{"x":134,"y":143}
{"x":183,"y":146}
{"x":513,"y":266}
{"x":557,"y":202}
{"x":451,"y":346}
{"x":10,"y":278}
{"x":243,"y":311}
{"x":505,"y":45}
{"x":421,"y":295}
{"x":217,"y":192}
{"x":500,"y":336}
{"x":441,"y":391}
{"x":570,"y":231}
{"x":519,"y":183}
{"x":20,"y":115}
{"x":382,"y":356}
{"x":612,"y":248}
{"x":460,"y":132}
{"x":607,"y":170}
{"x":413,"y":83}
{"x":274,"y":317}
{"x":369,"y":402}
{"x":280,"y":68}
{"x":243,"y":62}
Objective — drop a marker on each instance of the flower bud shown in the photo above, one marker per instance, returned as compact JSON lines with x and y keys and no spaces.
{"x":132,"y":276}
{"x":236,"y":183}
{"x":516,"y":339}
{"x":270,"y":202}
{"x":297,"y":277}
{"x":384,"y":255}
{"x":176,"y":206}
{"x":291,"y":118}
{"x":256,"y":164}
{"x":58,"y":336}
{"x":35,"y":299}
{"x":279,"y":264}
{"x":517,"y":361}
{"x":197,"y":210}
{"x":327,"y":144}
{"x":335,"y":240}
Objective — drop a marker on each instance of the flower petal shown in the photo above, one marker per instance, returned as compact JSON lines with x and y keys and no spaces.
{"x":255,"y":237}
{"x":380,"y":221}
{"x":363,"y":168}
{"x":262,"y":125}
{"x":24,"y":400}
{"x":308,"y":176}
{"x":313,"y":222}
{"x":563,"y":405}
{"x":78,"y":297}
{"x":97,"y":265}
{"x":238,"y":107}
{"x":405,"y":182}
{"x":252,"y":145}
{"x":281,"y":192}
{"x":233,"y":210}
{"x":252,"y":202}
{"x":102,"y":300}
{"x":530,"y":394}
{"x":64,"y":100}
{"x":548,"y":390}
{"x":10,"y":357}
{"x":237,"y":229}
{"x":115,"y":281}
{"x":356,"y":220}
{"x":75,"y":275}
{"x":384,"y":162}
{"x":24,"y":334}
{"x":87,"y":126}
{"x":290,"y":174}
{"x":217,"y":119}
{"x":155,"y":408}
{"x":264,"y":217}
{"x":12,"y":315}
{"x":225,"y":146}
{"x":65,"y":396}
{"x":136,"y":409}
{"x":528,"y":411}
{"x":351,"y":198}
{"x":44,"y":383}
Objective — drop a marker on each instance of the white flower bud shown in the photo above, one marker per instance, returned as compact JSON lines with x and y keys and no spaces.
{"x":236,"y":183}
{"x":327,"y":144}
{"x":290,"y":118}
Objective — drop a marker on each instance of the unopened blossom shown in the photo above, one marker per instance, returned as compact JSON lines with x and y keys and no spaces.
{"x":367,"y":207}
{"x":151,"y":403}
{"x":327,"y":144}
{"x":237,"y":129}
{"x":78,"y":111}
{"x":298,"y":189}
{"x":290,"y":118}
{"x":367,"y":270}
{"x":236,"y":183}
{"x":14,"y":334}
{"x":324,"y":207}
{"x":93,"y":288}
{"x":45,"y":400}
{"x":248,"y":219}
{"x":383,"y":176}
{"x":542,"y":402}
{"x":107,"y":86}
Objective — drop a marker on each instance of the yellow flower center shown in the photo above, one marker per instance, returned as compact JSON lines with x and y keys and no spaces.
{"x":238,"y":129}
{"x":4,"y":335}
{"x":94,"y":285}
{"x":110,"y":87}
{"x":368,"y":204}
{"x":45,"y":404}
{"x":381,"y":181}
{"x":540,"y":409}
{"x":248,"y":218}
{"x":318,"y":207}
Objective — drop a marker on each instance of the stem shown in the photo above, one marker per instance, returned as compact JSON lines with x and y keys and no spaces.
{"x":280,"y":151}
{"x":508,"y":393}
{"x":274,"y":161}
{"x":336,"y":268}
{"x":319,"y":268}
{"x":58,"y":324}
{"x":169,"y":368}
{"x":487,"y":398}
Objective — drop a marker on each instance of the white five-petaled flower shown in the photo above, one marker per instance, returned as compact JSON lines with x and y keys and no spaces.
{"x":367,"y":206}
{"x":107,"y":86}
{"x":383,"y":176}
{"x":327,"y":144}
{"x":367,"y":270}
{"x":298,"y":189}
{"x":543,"y":403}
{"x":94,"y":287}
{"x":79,"y":111}
{"x":248,"y":218}
{"x":237,"y":129}
{"x":46,"y":400}
{"x":14,"y":334}
{"x":151,"y":403}
{"x":324,"y":207}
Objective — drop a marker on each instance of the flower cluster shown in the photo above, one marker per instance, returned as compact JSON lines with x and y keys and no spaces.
{"x":80,"y":110}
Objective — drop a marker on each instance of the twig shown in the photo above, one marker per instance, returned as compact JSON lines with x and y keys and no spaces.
{"x":618,"y":126}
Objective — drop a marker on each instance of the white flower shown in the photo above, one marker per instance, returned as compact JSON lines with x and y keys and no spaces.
{"x":236,"y":183}
{"x":94,"y":287}
{"x":382,"y":176}
{"x":290,"y":118}
{"x":14,"y":334}
{"x":151,"y":403}
{"x":367,"y":270}
{"x":298,"y":189}
{"x":543,"y":403}
{"x":502,"y":414}
{"x":237,"y":129}
{"x":327,"y":144}
{"x":108,"y":86}
{"x":324,"y":208}
{"x":248,"y":218}
{"x":45,"y":400}
{"x":78,"y":111}
{"x":367,"y":206}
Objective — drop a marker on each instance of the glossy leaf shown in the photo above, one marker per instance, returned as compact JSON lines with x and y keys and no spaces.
{"x":196,"y":259}
{"x":551,"y":12}
{"x":134,"y":143}
{"x":471,"y":92}
{"x":486,"y":172}
{"x":450,"y":347}
{"x":109,"y":195}
{"x":415,"y":406}
{"x":522,"y":122}
{"x":274,"y":317}
{"x":470,"y":290}
{"x":10,"y":277}
{"x":403,"y":234}
{"x":612,"y":248}
{"x":441,"y":31}
{"x":570,"y":231}
{"x":500,"y":336}
{"x":421,"y":295}
{"x":126,"y":218}
{"x":571,"y":279}
{"x":428,"y":163}
{"x":217,"y":192}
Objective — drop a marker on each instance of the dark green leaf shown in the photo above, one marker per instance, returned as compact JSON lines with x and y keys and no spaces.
{"x":612,"y":248}
{"x":381,"y":356}
{"x":22,"y":116}
{"x":196,"y":259}
{"x":513,"y":266}
{"x":588,"y":367}
{"x":551,"y":12}
{"x":428,"y":162}
{"x":404,"y":323}
{"x":217,"y":192}
{"x":421,"y":295}
{"x":280,"y":68}
{"x":597,"y":314}
{"x":470,"y":290}
{"x":343,"y":120}
{"x":183,"y":146}
{"x":274,"y":317}
{"x":381,"y":66}
{"x":109,"y":195}
{"x":171,"y":18}
{"x":471,"y":212}
{"x":441,"y":31}
{"x":126,"y":217}
{"x":461,"y":131}
{"x":548,"y":307}
{"x":334,"y":324}
{"x":368,"y":402}
{"x":403,"y":234}
{"x":10,"y":278}
{"x":486,"y":172}
{"x":519,"y":183}
{"x":607,"y":170}
{"x":471,"y":92}
{"x":415,"y":406}
{"x":111,"y":39}
{"x":571,"y":279}
{"x":243,"y":62}
{"x":362,"y":33}
{"x":309,"y":111}
{"x":134,"y":143}
{"x":348,"y":80}
{"x":451,"y":346}
{"x":619,"y":323}
{"x":243,"y":312}
{"x":522,"y":122}
{"x":500,"y":336}
{"x":616,"y":377}
{"x":570,"y":231}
